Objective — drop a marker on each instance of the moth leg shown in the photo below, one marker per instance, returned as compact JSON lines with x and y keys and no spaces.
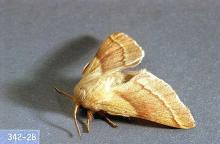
{"x":75,"y":119}
{"x":110,"y":122}
{"x":63,"y":93}
{"x":89,"y":119}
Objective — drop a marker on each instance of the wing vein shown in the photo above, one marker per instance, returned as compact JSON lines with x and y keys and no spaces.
{"x":163,"y":102}
{"x":120,"y":46}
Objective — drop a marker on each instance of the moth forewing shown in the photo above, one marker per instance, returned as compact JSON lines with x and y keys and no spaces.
{"x":117,"y":52}
{"x":154,"y":100}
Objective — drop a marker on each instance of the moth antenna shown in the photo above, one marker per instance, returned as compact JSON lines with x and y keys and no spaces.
{"x":63,"y":93}
{"x":75,"y":119}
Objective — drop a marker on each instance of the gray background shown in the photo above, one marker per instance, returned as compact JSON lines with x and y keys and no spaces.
{"x":46,"y":43}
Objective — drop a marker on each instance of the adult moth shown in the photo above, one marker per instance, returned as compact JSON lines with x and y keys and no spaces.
{"x":105,"y":88}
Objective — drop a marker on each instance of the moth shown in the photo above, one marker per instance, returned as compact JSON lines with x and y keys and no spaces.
{"x":105,"y":88}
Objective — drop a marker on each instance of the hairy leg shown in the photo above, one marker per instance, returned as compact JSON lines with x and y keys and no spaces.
{"x":89,"y":119}
{"x":110,"y":122}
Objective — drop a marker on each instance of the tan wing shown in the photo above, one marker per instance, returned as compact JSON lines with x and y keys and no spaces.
{"x":117,"y":52}
{"x":148,"y":97}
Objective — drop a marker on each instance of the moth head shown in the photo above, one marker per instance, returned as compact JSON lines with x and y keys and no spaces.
{"x":79,"y":93}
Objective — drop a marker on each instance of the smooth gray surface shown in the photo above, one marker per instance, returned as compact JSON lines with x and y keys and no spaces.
{"x":46,"y":43}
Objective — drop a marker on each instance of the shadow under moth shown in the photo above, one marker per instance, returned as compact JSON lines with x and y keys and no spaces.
{"x":105,"y":87}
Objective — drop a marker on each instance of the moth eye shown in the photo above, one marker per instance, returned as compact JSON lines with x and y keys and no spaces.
{"x":82,"y":92}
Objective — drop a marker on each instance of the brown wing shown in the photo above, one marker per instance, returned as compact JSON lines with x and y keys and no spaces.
{"x":117,"y":52}
{"x":148,"y":97}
